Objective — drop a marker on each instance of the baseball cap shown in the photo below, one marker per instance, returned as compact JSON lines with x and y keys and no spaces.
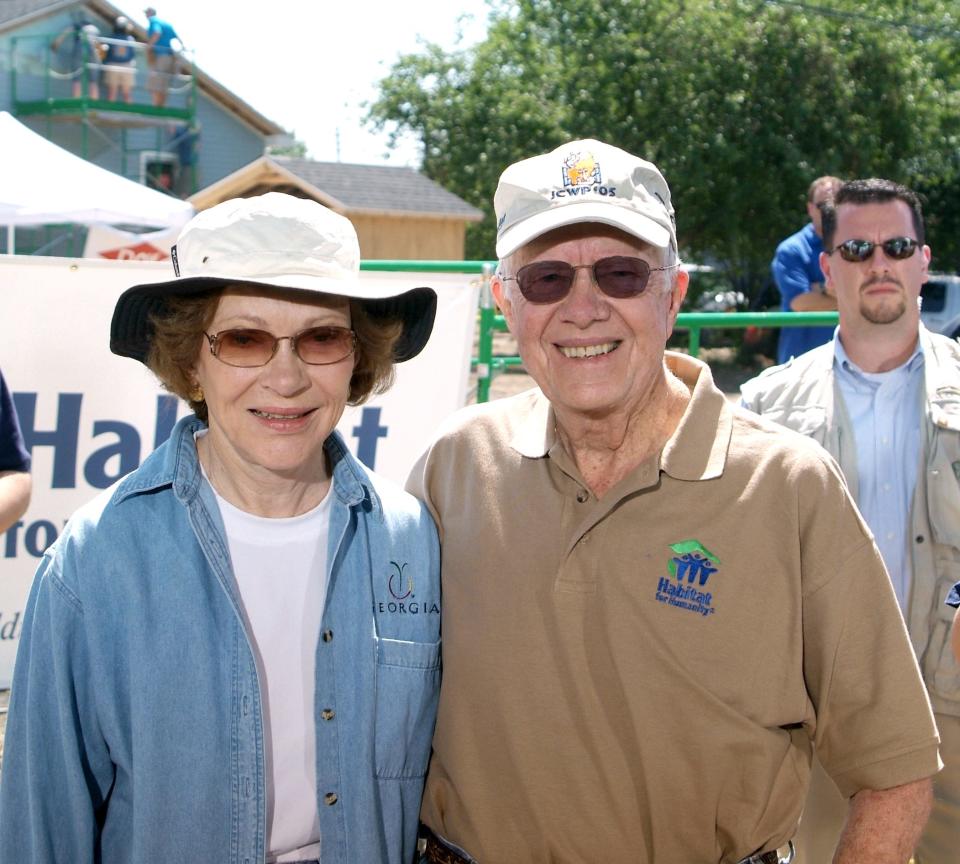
{"x":582,"y":181}
{"x":275,"y":241}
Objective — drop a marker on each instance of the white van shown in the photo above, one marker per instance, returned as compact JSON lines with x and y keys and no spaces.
{"x":940,"y":304}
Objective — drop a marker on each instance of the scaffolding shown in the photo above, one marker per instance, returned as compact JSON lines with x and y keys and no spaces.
{"x":60,"y":79}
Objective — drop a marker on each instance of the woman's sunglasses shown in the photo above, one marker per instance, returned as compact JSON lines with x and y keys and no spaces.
{"x":619,"y":276}
{"x":897,"y":248}
{"x":316,"y":346}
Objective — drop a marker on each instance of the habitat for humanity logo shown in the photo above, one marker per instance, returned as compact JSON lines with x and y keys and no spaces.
{"x":691,"y":566}
{"x":403,"y":599}
{"x":581,"y":175}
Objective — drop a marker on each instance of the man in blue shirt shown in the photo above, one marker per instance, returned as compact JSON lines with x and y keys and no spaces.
{"x":163,"y":62}
{"x":883,"y":397}
{"x":796,"y":272}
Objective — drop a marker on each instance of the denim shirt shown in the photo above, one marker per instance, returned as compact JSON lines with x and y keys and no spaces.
{"x":135,"y":731}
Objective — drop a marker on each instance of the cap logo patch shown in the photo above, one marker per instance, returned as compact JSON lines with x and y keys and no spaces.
{"x":581,"y":176}
{"x":581,"y":169}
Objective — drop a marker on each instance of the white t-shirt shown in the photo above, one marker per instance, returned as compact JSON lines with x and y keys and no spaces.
{"x":281,"y":568}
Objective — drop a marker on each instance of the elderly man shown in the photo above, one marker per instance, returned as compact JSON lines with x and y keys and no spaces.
{"x":653,"y":601}
{"x":883,"y":397}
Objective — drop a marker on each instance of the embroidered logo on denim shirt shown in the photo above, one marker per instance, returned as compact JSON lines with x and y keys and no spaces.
{"x":691,"y":565}
{"x":401,"y":586}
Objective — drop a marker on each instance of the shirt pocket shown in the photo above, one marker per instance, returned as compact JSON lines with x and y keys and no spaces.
{"x":943,"y":499}
{"x":943,"y":671}
{"x":408,"y":687}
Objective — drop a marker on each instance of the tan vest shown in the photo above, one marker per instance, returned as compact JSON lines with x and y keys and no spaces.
{"x":803,"y":395}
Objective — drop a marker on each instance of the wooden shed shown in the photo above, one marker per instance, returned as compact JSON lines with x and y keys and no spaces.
{"x":398,"y":212}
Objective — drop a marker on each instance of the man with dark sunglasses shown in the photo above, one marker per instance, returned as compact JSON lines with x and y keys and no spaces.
{"x":883,"y":397}
{"x":647,"y":592}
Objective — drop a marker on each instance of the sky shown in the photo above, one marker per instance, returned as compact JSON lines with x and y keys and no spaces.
{"x":310,"y":66}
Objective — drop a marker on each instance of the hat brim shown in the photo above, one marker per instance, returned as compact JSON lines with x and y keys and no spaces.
{"x":131,"y":329}
{"x":607,"y":213}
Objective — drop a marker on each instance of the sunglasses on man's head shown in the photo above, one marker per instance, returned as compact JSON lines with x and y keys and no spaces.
{"x":316,"y":346}
{"x":898,"y":248}
{"x":619,"y":276}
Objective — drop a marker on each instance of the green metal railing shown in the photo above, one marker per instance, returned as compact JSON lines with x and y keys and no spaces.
{"x":487,"y":366}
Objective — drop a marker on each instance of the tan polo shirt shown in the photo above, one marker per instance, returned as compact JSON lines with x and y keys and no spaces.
{"x":639,"y":678}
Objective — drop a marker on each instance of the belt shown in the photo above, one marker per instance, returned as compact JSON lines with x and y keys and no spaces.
{"x":437,"y":851}
{"x":784,"y":855}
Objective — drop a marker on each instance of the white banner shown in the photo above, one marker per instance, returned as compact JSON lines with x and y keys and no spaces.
{"x":89,"y":417}
{"x":105,"y":241}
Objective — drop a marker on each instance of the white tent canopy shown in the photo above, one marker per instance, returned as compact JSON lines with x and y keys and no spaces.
{"x":41,"y":184}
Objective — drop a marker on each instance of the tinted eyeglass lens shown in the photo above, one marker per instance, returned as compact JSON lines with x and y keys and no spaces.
{"x":316,"y":346}
{"x":545,"y":281}
{"x":619,"y":276}
{"x":622,"y":276}
{"x":897,"y":248}
{"x":245,"y":347}
{"x":321,"y":345}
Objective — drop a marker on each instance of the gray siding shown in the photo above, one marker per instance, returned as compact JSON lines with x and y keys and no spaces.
{"x":227,"y":143}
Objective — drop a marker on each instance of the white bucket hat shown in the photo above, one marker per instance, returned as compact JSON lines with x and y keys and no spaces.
{"x":583,"y":181}
{"x":277,"y":241}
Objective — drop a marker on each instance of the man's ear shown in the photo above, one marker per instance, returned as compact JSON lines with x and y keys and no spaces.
{"x":502,"y":298}
{"x":825,"y":268}
{"x":678,"y":290}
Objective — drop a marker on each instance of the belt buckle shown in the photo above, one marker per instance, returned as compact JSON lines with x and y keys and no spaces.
{"x":783,"y":855}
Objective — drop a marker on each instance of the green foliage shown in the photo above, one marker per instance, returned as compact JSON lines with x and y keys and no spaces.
{"x":741,"y":103}
{"x":292,"y":148}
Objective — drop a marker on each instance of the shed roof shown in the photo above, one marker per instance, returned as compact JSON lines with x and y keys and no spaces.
{"x":344,"y":187}
{"x":380,"y":188}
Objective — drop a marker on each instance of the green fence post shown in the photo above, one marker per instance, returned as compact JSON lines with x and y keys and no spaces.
{"x":485,"y":338}
{"x":694,"y":347}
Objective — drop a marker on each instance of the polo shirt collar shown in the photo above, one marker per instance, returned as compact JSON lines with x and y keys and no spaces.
{"x":697,"y":450}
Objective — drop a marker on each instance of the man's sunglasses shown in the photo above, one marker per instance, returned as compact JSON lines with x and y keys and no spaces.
{"x":317,"y":346}
{"x":619,"y":276}
{"x":897,"y":248}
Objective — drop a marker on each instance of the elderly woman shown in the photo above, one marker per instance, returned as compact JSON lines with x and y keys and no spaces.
{"x":214,"y":666}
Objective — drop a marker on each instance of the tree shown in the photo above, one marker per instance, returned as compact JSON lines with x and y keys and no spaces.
{"x":739,"y":102}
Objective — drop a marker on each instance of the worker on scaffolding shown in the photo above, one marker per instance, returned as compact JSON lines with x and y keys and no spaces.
{"x":118,"y":61}
{"x":160,"y":56}
{"x":77,"y":54}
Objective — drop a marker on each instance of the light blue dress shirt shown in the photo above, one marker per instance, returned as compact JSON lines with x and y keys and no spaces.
{"x":885,"y":409}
